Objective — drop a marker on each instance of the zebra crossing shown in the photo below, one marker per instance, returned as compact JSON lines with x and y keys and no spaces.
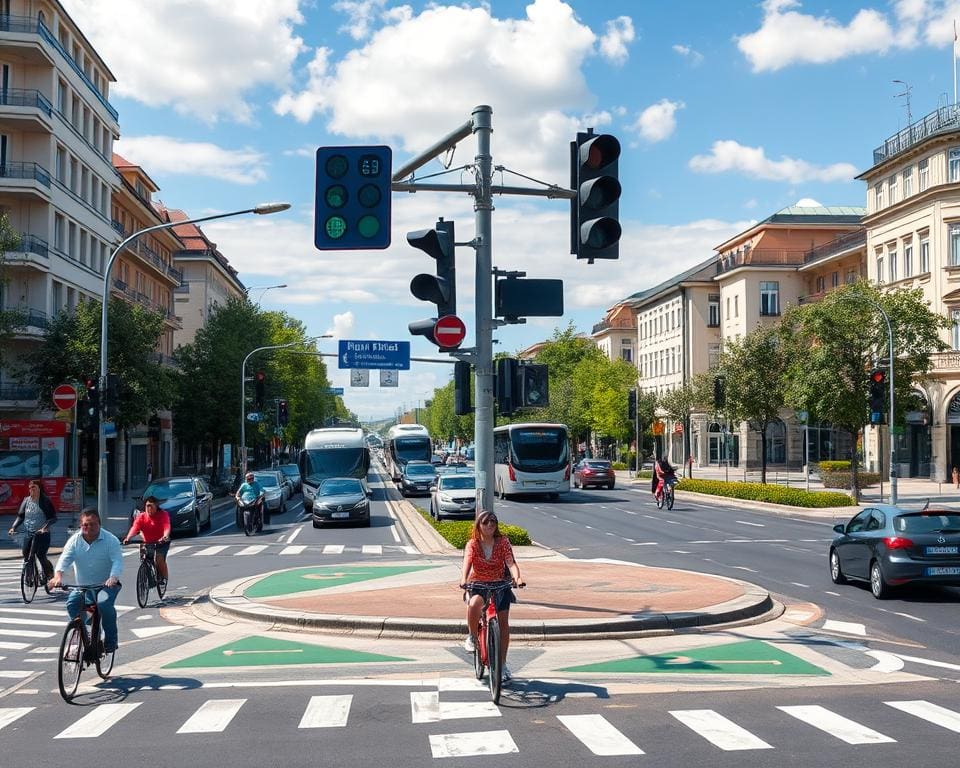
{"x":242,"y":550}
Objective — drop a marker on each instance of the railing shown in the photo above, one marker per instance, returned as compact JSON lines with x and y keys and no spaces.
{"x":946,"y":361}
{"x":603,"y":325}
{"x":33,"y":318}
{"x":25,"y":171}
{"x":25,"y":97}
{"x":844,"y":242}
{"x":32,"y":244}
{"x":182,"y":288}
{"x":118,"y":227}
{"x":18,"y":392}
{"x":760,"y":257}
{"x":942,"y":120}
{"x":176,"y":274}
{"x":166,"y":360}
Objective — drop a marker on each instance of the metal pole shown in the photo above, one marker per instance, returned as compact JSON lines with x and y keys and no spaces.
{"x":893,"y":443}
{"x":806,"y":458}
{"x":483,"y":207}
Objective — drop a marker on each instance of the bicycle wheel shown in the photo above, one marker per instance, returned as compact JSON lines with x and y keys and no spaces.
{"x":493,"y":659}
{"x":670,"y":499}
{"x":46,"y":584}
{"x":71,"y":660}
{"x":143,"y":584}
{"x":104,"y":659}
{"x":478,"y":665}
{"x":28,"y":579}
{"x":161,"y":586}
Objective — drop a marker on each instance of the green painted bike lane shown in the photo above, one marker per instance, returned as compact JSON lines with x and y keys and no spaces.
{"x":298,"y":580}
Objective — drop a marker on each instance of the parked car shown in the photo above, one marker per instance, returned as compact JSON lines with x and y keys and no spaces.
{"x":453,"y":495}
{"x":596,"y":472}
{"x":292,"y":473}
{"x":186,"y":498}
{"x":888,"y":546}
{"x":341,"y":500}
{"x":275,"y":498}
{"x":417,"y":478}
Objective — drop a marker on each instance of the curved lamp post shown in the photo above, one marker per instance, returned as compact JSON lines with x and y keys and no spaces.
{"x":263,"y":289}
{"x":262,"y":209}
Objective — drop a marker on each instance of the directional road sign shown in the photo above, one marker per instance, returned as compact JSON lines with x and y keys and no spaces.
{"x":374,"y":354}
{"x":254,"y":417}
{"x":449,"y":332}
{"x":333,"y":391}
{"x":65,"y":397}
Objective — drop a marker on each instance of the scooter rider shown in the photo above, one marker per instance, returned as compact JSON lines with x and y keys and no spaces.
{"x":251,"y":491}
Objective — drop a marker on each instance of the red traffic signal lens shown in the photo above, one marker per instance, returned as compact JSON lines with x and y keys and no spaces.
{"x":878,"y":376}
{"x":261,"y":375}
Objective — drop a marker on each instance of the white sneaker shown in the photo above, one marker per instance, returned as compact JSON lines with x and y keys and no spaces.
{"x":470,"y":645}
{"x":505,"y":673}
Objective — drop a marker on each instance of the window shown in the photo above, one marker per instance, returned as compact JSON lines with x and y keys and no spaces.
{"x":955,"y":245}
{"x":74,"y":175}
{"x":879,"y":268}
{"x":834,"y":279}
{"x":907,"y":259}
{"x":923,"y":172}
{"x":907,"y":181}
{"x":953,"y":165}
{"x":851,"y":276}
{"x":59,"y":233}
{"x":61,"y":97}
{"x":893,"y":266}
{"x":924,"y":255}
{"x":728,"y":307}
{"x":713,"y":319}
{"x":821,"y":284}
{"x":877,"y":197}
{"x":892,"y":190}
{"x":61,"y":164}
{"x":769,"y":298}
{"x":776,"y":447}
{"x":955,"y":330}
{"x":736,"y":306}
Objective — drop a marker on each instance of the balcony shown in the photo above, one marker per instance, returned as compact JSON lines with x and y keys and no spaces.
{"x":946,"y":362}
{"x":943,"y":120}
{"x":25,"y":177}
{"x":117,"y":226}
{"x":29,"y":108}
{"x":606,"y":325}
{"x":760,"y":257}
{"x":849,"y":241}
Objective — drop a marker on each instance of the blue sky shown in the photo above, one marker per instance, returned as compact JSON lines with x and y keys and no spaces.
{"x":727,"y":111}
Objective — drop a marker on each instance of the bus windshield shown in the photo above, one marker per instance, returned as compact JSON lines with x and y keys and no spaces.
{"x":321,"y":463}
{"x":538,"y":449}
{"x":407,"y":448}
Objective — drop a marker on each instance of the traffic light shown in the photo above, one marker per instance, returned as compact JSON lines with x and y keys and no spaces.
{"x":111,"y":404}
{"x":441,"y":289}
{"x":461,"y":388}
{"x":353,"y":198}
{"x":632,"y":405}
{"x":508,"y":396}
{"x":283,"y":416}
{"x":534,"y":385}
{"x":91,"y":412}
{"x":594,"y":213}
{"x":878,"y":384}
{"x":261,"y":379}
{"x":719,"y":392}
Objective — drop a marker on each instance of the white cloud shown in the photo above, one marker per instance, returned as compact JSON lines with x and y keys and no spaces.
{"x":658,"y":121}
{"x":686,"y":51}
{"x":343,"y":325}
{"x":752,"y":161}
{"x":167,"y":155}
{"x":361,"y":15}
{"x":209,"y":54}
{"x":619,"y":34}
{"x":305,"y":151}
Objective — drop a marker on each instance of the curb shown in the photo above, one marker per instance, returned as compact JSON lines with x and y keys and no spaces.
{"x":422,"y":535}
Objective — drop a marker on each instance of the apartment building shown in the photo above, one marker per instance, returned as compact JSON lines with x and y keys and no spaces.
{"x":57,"y":129}
{"x":616,"y":334}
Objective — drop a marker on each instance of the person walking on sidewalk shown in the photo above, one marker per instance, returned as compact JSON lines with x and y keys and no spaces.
{"x":153,"y":525}
{"x":487,"y":557}
{"x":36,"y":515}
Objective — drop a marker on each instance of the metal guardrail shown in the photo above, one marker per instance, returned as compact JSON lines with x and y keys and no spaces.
{"x":25,"y":97}
{"x":25,"y":171}
{"x":839,"y":244}
{"x":942,"y":120}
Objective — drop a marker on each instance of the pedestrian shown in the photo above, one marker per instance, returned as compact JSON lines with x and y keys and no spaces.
{"x":36,"y":514}
{"x":956,"y":477}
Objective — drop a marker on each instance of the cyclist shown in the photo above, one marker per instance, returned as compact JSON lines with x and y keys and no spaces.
{"x":486,"y":558}
{"x":96,"y":558}
{"x":153,"y":525}
{"x":36,"y":515}
{"x":662,"y":473}
{"x":250,"y":491}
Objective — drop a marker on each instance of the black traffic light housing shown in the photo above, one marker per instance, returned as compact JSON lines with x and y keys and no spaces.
{"x":632,"y":405}
{"x":259,"y":390}
{"x":878,"y":395}
{"x":507,"y":392}
{"x":91,"y":410}
{"x":534,"y":385}
{"x":441,"y":288}
{"x":353,"y":198}
{"x":719,"y":392}
{"x":461,"y":388}
{"x":111,"y":403}
{"x":595,"y":211}
{"x":283,"y":415}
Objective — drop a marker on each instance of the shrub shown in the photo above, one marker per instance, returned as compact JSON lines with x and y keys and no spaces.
{"x":457,"y":532}
{"x":845,"y":479}
{"x":618,"y":464}
{"x":834,"y":466}
{"x":646,"y":473}
{"x":774,"y":494}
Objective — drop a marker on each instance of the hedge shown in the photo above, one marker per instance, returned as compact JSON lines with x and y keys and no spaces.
{"x":834,"y":466}
{"x":457,"y":532}
{"x":774,"y":494}
{"x":845,"y":479}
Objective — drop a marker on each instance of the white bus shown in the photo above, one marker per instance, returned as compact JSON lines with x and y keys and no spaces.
{"x":332,"y":452}
{"x":406,"y":442}
{"x":531,"y":458}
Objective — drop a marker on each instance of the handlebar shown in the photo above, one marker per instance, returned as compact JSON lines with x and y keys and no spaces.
{"x":492,"y":586}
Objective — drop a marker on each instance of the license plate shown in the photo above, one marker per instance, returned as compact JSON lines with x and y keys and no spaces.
{"x":941,"y":550}
{"x":339,"y":514}
{"x":944,"y":571}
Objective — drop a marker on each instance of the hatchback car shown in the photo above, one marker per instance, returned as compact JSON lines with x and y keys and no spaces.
{"x":187,"y":499}
{"x":596,"y":472}
{"x":341,"y":500}
{"x":417,"y":478}
{"x":292,"y":473}
{"x":888,"y":546}
{"x":274,"y":493}
{"x":454,"y":495}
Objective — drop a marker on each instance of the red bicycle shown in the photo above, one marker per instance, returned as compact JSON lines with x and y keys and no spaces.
{"x":486,"y":653}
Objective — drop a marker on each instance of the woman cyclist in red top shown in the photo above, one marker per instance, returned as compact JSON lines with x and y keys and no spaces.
{"x":153,"y":525}
{"x":487,"y":558}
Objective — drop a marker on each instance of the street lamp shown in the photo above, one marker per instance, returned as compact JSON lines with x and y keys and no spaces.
{"x":263,"y":289}
{"x":262,"y":209}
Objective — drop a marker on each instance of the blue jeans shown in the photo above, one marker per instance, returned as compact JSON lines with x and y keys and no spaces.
{"x":108,"y":613}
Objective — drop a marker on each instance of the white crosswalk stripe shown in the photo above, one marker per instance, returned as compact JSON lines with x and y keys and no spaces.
{"x":10,"y":714}
{"x":214,"y":716}
{"x":718,"y":730}
{"x":98,"y":722}
{"x":372,"y":549}
{"x":215,"y":550}
{"x":326,"y":712}
{"x":294,"y":549}
{"x":599,"y":735}
{"x":836,"y":725}
{"x":333,"y":549}
{"x":253,"y":549}
{"x":471,"y":744}
{"x":932,"y":713}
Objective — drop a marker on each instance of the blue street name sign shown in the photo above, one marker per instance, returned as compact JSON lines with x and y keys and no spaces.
{"x":333,"y":391}
{"x":393,"y":355}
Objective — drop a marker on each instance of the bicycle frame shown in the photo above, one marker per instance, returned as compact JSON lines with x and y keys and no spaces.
{"x":488,"y":641}
{"x":89,"y":647}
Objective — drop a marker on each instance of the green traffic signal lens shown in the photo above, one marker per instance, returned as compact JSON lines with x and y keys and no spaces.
{"x":335,"y":227}
{"x":368,"y":226}
{"x":336,"y":196}
{"x":337,"y":166}
{"x":369,"y":195}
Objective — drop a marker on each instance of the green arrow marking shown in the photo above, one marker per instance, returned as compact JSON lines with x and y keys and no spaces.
{"x":263,"y":651}
{"x":308,"y":579}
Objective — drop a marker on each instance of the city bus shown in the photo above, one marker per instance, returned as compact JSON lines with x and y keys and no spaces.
{"x":531,"y":458}
{"x":406,"y":442}
{"x":332,"y":452}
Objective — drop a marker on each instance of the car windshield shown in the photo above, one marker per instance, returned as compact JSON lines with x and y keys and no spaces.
{"x":597,"y":464}
{"x":420,"y":470}
{"x":457,"y":483}
{"x":169,"y":489}
{"x":267,"y":479}
{"x":339,"y":487}
{"x":928,"y":522}
{"x":290,"y":470}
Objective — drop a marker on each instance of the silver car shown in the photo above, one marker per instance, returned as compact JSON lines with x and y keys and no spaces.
{"x":454,"y":495}
{"x":275,"y":497}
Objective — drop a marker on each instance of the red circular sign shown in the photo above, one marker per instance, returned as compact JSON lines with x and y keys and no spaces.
{"x":64,"y":397}
{"x":449,"y":332}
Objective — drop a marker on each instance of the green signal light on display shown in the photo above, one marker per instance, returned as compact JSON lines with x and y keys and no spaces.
{"x":335,"y":227}
{"x":336,"y":196}
{"x":368,"y":226}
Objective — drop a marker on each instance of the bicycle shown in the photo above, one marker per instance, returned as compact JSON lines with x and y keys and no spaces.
{"x":666,"y":495}
{"x":251,"y":515}
{"x":31,"y":572}
{"x":82,"y":646}
{"x":148,"y":576}
{"x":486,"y":653}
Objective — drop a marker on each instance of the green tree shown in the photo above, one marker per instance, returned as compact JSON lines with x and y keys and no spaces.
{"x":11,"y":317}
{"x":681,"y":403}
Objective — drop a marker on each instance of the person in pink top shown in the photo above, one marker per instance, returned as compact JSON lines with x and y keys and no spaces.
{"x":153,"y":525}
{"x":488,"y":557}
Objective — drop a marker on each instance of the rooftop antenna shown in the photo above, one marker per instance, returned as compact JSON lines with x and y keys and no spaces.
{"x":905,"y":94}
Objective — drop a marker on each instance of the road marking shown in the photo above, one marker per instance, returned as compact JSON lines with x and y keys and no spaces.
{"x":609,"y":534}
{"x":908,"y":616}
{"x":930,"y":662}
{"x":26,"y":633}
{"x":48,"y":649}
{"x":10,"y":714}
{"x":746,"y":522}
{"x":31,"y":622}
{"x":179,"y":550}
{"x":828,"y":592}
{"x":743,"y":568}
{"x":836,"y":725}
{"x":645,"y":544}
{"x":598,"y":735}
{"x":253,"y":549}
{"x":886,"y":662}
{"x":932,"y":713}
{"x":847,"y":627}
{"x":372,"y":549}
{"x":424,"y":706}
{"x":718,"y":730}
{"x":213,"y":716}
{"x":97,"y":722}
{"x":233,"y":652}
{"x":471,"y":744}
{"x":333,"y":549}
{"x":294,"y":550}
{"x":216,"y":550}
{"x":326,"y":712}
{"x":32,"y":611}
{"x":14,"y":674}
{"x":681,"y":552}
{"x":294,"y":535}
{"x":798,"y":584}
{"x":144,"y":632}
{"x":14,"y":646}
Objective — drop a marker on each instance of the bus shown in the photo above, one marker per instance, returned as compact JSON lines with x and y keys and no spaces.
{"x":406,"y":442}
{"x":332,"y":452}
{"x":531,"y":458}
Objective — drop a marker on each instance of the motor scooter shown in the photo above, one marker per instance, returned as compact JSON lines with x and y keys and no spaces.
{"x":250,"y":516}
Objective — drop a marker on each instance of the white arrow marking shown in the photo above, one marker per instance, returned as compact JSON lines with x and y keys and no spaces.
{"x":272,"y":650}
{"x":688,"y":660}
{"x":886,"y":662}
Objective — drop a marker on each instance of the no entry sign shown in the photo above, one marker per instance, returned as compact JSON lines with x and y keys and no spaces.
{"x":64,"y":397}
{"x":449,"y":332}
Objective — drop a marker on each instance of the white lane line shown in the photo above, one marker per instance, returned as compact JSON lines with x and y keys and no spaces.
{"x":718,"y":730}
{"x":609,"y":534}
{"x":747,"y":522}
{"x":296,"y":549}
{"x":828,"y":592}
{"x":32,"y":611}
{"x":211,"y":550}
{"x":326,"y":712}
{"x":798,"y":584}
{"x":333,"y":549}
{"x":253,"y":549}
{"x":213,"y":716}
{"x":645,"y":544}
{"x":471,"y":744}
{"x":932,"y":713}
{"x":598,"y":735}
{"x":372,"y":549}
{"x":930,"y":662}
{"x":743,"y":568}
{"x":14,"y":646}
{"x":25,"y":633}
{"x":908,"y":616}
{"x":294,"y":535}
{"x":9,"y":714}
{"x":681,"y":552}
{"x":97,"y":722}
{"x":847,"y":627}
{"x":836,"y":725}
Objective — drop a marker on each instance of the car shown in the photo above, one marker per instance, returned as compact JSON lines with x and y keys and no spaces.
{"x":453,"y":495}
{"x":437,"y":459}
{"x":292,"y":473}
{"x":186,"y":498}
{"x":275,"y":498}
{"x":596,"y":472}
{"x":888,"y":546}
{"x":456,"y":460}
{"x":417,"y":478}
{"x":341,"y":500}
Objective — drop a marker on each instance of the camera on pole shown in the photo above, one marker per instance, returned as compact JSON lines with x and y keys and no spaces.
{"x":595,"y":211}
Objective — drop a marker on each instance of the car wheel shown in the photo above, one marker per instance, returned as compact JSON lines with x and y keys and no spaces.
{"x":575,"y":482}
{"x":283,"y":508}
{"x":836,"y":572}
{"x":878,"y":585}
{"x":610,"y":486}
{"x":316,"y":524}
{"x":195,"y":526}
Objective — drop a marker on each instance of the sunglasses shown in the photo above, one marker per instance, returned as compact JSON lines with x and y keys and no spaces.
{"x":488,"y":521}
